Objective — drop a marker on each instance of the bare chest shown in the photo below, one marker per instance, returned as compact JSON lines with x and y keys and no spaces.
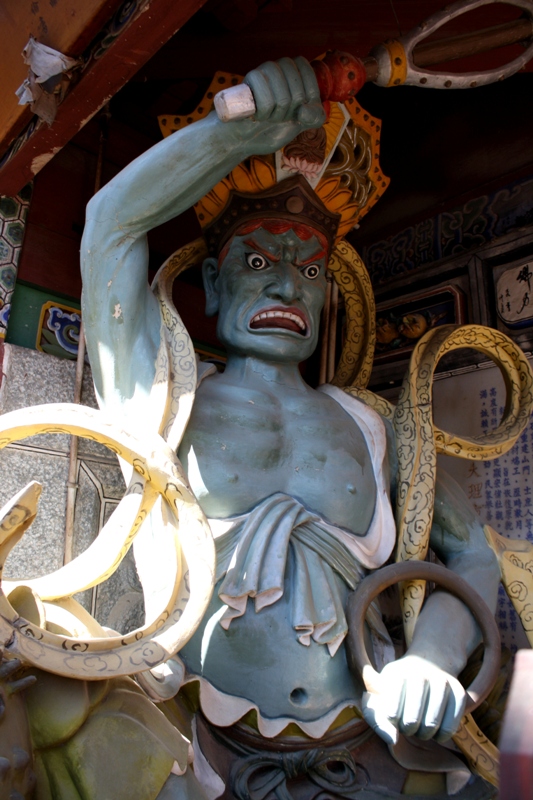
{"x":241,"y":447}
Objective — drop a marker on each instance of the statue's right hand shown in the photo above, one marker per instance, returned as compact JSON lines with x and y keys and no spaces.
{"x":287,"y":100}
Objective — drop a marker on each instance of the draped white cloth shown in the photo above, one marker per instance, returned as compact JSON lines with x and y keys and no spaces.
{"x":252,"y":551}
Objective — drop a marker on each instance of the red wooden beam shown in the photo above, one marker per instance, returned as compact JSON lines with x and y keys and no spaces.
{"x":149,"y":29}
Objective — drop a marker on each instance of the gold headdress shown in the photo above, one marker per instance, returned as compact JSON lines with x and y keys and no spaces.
{"x":339,"y":174}
{"x":340,"y":161}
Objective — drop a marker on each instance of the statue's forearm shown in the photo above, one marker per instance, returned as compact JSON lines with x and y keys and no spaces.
{"x":168,"y":178}
{"x":446,"y":632}
{"x":121,"y":316}
{"x":120,"y":313}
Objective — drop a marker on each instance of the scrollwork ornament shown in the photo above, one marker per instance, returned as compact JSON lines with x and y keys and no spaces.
{"x":482,"y":754}
{"x":355,"y":363}
{"x":103,"y":657}
{"x":419,"y":440}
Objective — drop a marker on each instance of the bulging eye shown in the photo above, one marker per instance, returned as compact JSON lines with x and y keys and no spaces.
{"x":312,"y":271}
{"x":256,"y":261}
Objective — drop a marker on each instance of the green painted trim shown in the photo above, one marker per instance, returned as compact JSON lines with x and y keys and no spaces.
{"x":209,"y":348}
{"x":25,"y":315}
{"x":74,"y":301}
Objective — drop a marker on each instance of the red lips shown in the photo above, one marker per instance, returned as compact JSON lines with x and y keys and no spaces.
{"x":290,"y":318}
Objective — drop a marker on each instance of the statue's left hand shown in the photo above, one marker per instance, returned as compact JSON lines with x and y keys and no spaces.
{"x":416,"y":698}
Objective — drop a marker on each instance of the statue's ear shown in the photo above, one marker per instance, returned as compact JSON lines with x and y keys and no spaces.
{"x":210,"y":276}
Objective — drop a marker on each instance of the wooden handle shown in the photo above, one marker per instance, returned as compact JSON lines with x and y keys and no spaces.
{"x":339,"y":76}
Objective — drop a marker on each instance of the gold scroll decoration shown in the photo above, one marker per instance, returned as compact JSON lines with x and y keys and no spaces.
{"x":515,"y":559}
{"x":174,"y":386}
{"x":482,"y":755}
{"x":158,"y":466}
{"x":355,"y":363}
{"x":419,"y":440}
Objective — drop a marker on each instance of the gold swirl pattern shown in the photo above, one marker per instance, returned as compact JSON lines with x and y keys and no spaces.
{"x":419,"y":440}
{"x":355,"y":363}
{"x":515,"y":557}
{"x":145,"y":648}
{"x":175,"y":379}
{"x":482,"y":755}
{"x":384,"y":407}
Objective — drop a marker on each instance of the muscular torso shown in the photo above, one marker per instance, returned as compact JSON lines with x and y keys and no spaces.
{"x":244,"y":444}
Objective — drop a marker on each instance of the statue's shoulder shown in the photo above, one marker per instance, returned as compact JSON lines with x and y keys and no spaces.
{"x":369,"y":418}
{"x":373,"y":414}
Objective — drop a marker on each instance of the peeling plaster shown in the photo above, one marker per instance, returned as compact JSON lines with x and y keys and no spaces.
{"x":40,"y":161}
{"x":96,"y":110}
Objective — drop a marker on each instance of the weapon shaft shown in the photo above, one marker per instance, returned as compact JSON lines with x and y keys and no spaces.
{"x":341,"y":75}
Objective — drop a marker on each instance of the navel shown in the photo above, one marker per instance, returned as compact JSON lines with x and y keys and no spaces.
{"x":351,"y":488}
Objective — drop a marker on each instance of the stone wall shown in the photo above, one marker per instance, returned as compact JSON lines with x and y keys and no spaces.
{"x":29,"y":378}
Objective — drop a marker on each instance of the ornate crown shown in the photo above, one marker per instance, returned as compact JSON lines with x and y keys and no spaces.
{"x":292,"y":199}
{"x":335,"y":171}
{"x":337,"y":166}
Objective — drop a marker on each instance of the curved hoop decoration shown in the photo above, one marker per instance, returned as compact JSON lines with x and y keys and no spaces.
{"x":158,"y":465}
{"x":371,"y":586}
{"x":419,"y":441}
{"x":518,"y":379}
{"x":411,"y":75}
{"x":349,"y":271}
{"x":175,"y":378}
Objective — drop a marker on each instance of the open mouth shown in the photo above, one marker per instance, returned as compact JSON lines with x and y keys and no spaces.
{"x":291,"y":319}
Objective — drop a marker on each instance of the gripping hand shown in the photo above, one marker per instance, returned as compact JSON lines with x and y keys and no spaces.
{"x":287,"y":99}
{"x":416,"y":698}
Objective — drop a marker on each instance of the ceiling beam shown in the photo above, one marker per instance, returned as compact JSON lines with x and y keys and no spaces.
{"x":155,"y":22}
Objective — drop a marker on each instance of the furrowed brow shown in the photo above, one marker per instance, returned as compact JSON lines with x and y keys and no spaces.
{"x":314,"y":257}
{"x":267,"y":254}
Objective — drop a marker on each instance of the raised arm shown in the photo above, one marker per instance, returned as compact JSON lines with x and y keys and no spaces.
{"x":121,"y":316}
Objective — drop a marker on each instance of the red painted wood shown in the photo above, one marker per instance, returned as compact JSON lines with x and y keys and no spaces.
{"x":516,"y":745}
{"x":50,"y":256}
{"x":190,"y":303}
{"x":133,"y":48}
{"x":65,"y":25}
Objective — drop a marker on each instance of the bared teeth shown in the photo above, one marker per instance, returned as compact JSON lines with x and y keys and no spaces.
{"x":280,"y":315}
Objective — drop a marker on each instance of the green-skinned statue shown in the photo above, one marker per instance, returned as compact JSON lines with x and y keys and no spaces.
{"x":296,"y":484}
{"x":293,"y":480}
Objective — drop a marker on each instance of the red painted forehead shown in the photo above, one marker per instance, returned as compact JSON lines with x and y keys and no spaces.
{"x":303,"y":232}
